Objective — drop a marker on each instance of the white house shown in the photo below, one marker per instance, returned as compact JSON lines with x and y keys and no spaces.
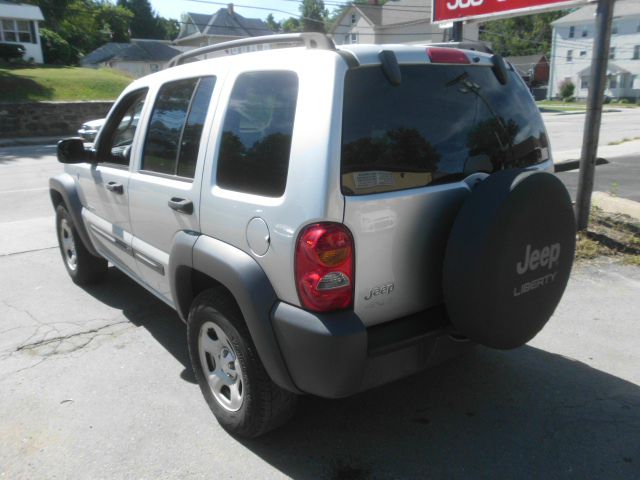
{"x":198,"y":30}
{"x":572,"y":51}
{"x":19,"y":24}
{"x":403,"y":21}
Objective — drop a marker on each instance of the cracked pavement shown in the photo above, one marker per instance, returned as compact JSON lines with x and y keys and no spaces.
{"x":95,"y":383}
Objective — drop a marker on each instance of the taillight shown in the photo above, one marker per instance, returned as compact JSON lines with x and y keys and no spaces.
{"x":324,"y":267}
{"x":446,"y":55}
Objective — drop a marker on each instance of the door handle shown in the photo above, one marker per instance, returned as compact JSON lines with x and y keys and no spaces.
{"x":181,"y":205}
{"x":115,"y":187}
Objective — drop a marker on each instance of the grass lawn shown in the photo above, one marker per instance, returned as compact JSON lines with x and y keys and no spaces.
{"x":60,"y":83}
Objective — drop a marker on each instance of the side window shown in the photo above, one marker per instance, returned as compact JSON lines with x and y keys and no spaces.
{"x":115,"y":142}
{"x":256,"y":136}
{"x":193,"y":128}
{"x":175,"y":127}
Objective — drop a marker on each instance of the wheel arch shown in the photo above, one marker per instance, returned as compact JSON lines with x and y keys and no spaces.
{"x":199,"y":262}
{"x":64,"y":191}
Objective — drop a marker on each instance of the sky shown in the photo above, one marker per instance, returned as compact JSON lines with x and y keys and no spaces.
{"x":280,"y":9}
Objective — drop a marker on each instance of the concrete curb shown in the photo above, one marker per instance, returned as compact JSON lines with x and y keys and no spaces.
{"x":612,"y":204}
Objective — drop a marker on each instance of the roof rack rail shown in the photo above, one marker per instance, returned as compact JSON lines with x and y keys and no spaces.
{"x":308,"y":39}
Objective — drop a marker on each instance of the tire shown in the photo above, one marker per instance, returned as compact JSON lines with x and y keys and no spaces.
{"x":83,"y":267}
{"x":237,"y":388}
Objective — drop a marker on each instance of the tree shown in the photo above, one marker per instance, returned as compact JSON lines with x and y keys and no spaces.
{"x":272,"y":24}
{"x":524,"y":35}
{"x":144,"y":24}
{"x":56,"y":49}
{"x":313,"y":15}
{"x":115,"y":22}
{"x":291,"y":25}
{"x":168,"y":27}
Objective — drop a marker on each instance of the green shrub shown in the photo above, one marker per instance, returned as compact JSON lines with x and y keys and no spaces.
{"x":56,"y":49}
{"x":11,"y":51}
{"x":566,"y":90}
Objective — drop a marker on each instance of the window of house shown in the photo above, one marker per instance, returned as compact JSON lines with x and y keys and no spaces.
{"x":175,"y":127}
{"x":354,"y":38}
{"x":585,"y":32}
{"x":613,"y":82}
{"x":16,"y":31}
{"x":257,"y":131}
{"x":612,"y":53}
{"x":614,"y":28}
{"x":569,"y":55}
{"x":572,"y":32}
{"x":584,"y":82}
{"x":353,"y":19}
{"x":583,"y":53}
{"x":636,"y":52}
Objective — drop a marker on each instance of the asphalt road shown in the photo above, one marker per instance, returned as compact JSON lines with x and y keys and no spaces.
{"x":620,"y":177}
{"x":565,"y":130}
{"x":95,"y":383}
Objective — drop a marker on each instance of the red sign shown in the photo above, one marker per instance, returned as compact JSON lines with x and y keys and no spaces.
{"x":449,"y":10}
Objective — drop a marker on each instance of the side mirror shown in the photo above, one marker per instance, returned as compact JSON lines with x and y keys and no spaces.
{"x":71,"y":150}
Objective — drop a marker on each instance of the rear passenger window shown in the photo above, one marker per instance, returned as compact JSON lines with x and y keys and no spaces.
{"x":173,"y":136}
{"x":256,"y":136}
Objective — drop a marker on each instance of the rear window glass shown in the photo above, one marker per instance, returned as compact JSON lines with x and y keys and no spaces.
{"x":440,"y":125}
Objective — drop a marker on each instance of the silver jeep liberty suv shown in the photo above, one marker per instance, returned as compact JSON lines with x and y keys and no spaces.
{"x":324,"y":220}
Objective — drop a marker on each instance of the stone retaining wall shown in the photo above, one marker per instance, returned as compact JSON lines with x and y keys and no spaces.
{"x":41,"y":119}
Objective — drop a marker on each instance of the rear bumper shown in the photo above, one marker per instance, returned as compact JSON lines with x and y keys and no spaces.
{"x":335,"y":355}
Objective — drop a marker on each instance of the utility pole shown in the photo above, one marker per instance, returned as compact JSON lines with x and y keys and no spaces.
{"x":595,"y":98}
{"x":456,"y":32}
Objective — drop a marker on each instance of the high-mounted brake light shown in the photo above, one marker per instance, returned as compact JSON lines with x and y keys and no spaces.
{"x":446,"y":55}
{"x":324,"y":267}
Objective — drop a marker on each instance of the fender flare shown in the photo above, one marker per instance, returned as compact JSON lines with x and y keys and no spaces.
{"x":247,"y":282}
{"x":64,"y":185}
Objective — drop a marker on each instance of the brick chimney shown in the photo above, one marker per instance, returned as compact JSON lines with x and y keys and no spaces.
{"x":230,"y":8}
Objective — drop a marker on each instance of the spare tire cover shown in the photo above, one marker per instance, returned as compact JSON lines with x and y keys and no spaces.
{"x":509,"y":257}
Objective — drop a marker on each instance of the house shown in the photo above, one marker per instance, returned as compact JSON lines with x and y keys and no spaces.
{"x":404,"y":21}
{"x":198,"y":30}
{"x":572,"y":51}
{"x":137,"y":58}
{"x":19,"y":24}
{"x":534,"y":69}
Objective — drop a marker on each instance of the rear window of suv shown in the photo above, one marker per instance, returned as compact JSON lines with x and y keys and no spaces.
{"x":442,"y":123}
